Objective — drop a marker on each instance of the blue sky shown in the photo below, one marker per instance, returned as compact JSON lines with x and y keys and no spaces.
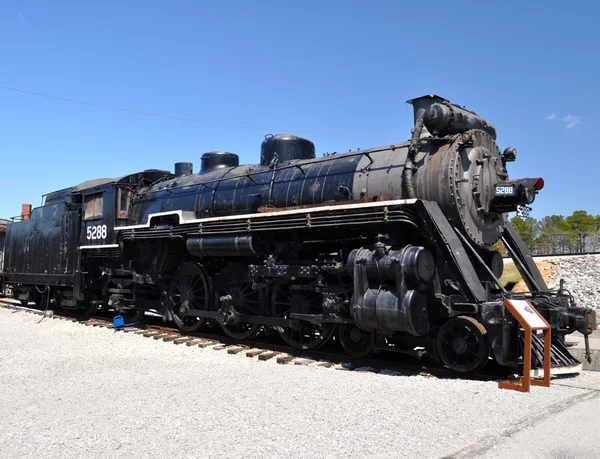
{"x":340,"y":67}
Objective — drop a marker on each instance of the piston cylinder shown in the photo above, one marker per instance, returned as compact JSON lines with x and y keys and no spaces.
{"x":417,"y":263}
{"x":385,"y":310}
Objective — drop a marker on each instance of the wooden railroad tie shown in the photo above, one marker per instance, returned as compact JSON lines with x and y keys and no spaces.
{"x":160,"y":336}
{"x":168,"y":338}
{"x":204,"y":344}
{"x":236,"y":349}
{"x":304,"y":362}
{"x":193,"y":342}
{"x":325,"y":364}
{"x":285,"y":359}
{"x":254,"y":352}
{"x":182,"y":340}
{"x":268,"y":355}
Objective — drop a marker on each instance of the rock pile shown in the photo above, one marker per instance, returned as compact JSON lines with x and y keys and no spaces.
{"x":582,"y":279}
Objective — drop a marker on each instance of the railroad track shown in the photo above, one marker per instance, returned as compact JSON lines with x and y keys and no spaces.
{"x":266,"y":348}
{"x":560,"y":255}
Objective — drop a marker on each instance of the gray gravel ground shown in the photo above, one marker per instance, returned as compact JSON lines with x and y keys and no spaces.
{"x":546,"y":439}
{"x":74,"y":391}
{"x":581,"y":275}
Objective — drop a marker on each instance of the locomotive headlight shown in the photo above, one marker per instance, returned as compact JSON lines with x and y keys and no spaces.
{"x":529,"y":194}
{"x":513,"y":193}
{"x":530,"y":188}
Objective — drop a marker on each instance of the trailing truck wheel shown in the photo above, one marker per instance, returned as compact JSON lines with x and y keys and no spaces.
{"x":244,"y":300}
{"x":189,"y":289}
{"x":463,"y":345}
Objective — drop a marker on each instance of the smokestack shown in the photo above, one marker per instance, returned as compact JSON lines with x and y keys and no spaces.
{"x":25,"y":211}
{"x":420,"y":104}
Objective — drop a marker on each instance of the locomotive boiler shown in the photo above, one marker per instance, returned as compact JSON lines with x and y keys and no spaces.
{"x":385,"y":248}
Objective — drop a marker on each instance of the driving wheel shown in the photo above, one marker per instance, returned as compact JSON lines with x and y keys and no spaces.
{"x":189,"y":289}
{"x":302,"y":334}
{"x":236,"y":283}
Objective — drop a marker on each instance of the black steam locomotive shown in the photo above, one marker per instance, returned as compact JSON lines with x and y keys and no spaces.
{"x":388,"y":247}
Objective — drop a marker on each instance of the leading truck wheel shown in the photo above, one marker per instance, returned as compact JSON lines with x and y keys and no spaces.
{"x":356,"y":342}
{"x":463,"y":345}
{"x":189,"y":290}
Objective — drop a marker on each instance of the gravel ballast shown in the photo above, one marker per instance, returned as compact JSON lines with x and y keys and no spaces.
{"x":73,"y":391}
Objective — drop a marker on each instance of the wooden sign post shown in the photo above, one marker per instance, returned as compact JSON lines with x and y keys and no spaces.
{"x":531,"y":321}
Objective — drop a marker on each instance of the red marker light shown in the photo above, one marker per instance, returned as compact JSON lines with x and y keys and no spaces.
{"x":539,"y":184}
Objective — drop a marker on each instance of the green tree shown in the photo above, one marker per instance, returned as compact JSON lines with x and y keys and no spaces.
{"x":528,"y":229}
{"x":556,"y":236}
{"x":583,"y":226}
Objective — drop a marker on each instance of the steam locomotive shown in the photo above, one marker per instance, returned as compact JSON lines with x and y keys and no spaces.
{"x":385,"y":248}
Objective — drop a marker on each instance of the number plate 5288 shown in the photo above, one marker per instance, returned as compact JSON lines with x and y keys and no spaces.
{"x":96,"y":232}
{"x":504,"y":190}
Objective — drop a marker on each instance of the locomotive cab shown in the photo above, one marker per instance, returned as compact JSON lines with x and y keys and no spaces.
{"x":72,"y":233}
{"x":100,"y":211}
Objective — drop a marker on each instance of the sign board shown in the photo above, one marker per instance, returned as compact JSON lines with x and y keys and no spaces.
{"x":531,"y":321}
{"x":529,"y":314}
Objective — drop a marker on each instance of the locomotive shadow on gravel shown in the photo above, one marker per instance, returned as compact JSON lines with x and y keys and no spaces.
{"x":387,"y":248}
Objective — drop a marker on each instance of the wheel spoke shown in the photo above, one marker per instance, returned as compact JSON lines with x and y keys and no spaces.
{"x":188,"y":288}
{"x":245,"y":300}
{"x":303,"y":334}
{"x":356,"y":342}
{"x":462,"y":346}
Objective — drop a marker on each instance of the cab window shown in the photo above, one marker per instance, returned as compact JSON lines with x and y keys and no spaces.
{"x":123,"y":201}
{"x":93,"y":206}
